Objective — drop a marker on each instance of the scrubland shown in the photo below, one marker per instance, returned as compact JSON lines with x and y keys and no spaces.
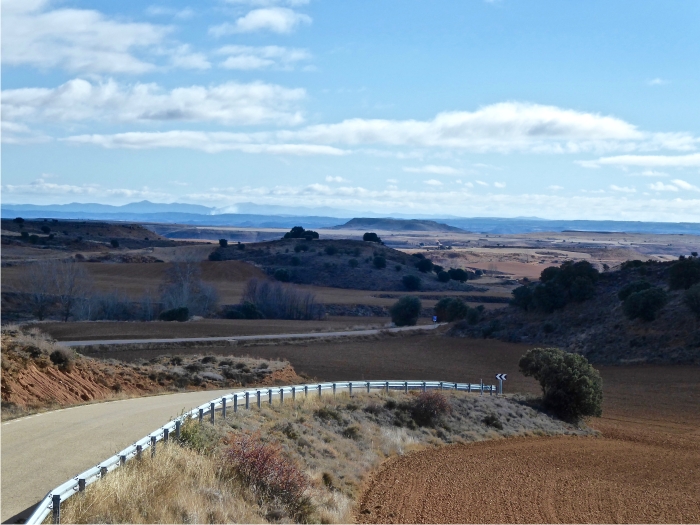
{"x":304,"y":462}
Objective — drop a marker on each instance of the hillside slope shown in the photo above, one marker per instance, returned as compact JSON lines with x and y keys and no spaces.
{"x":598,"y":329}
{"x":328,"y":263}
{"x":415,"y":225}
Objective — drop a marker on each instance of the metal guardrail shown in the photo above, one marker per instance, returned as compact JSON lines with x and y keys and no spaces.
{"x":51,"y":504}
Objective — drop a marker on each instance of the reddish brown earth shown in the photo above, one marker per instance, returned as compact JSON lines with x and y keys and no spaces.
{"x":538,"y":480}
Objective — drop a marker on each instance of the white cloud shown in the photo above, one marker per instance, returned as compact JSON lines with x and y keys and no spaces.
{"x":649,"y":161}
{"x":229,"y":103}
{"x":41,"y":186}
{"x":433,"y":182}
{"x":554,"y":187}
{"x":330,"y":178}
{"x":482,"y":183}
{"x":657,"y":82}
{"x":499,"y":184}
{"x":622,"y":189}
{"x":685,"y":185}
{"x":182,"y":57}
{"x":660,"y":186}
{"x":267,"y":3}
{"x":275,"y":19}
{"x":392,"y":181}
{"x":264,"y":57}
{"x":461,"y":201}
{"x":431,"y":168}
{"x":649,"y":173}
{"x":210,"y":142}
{"x":74,"y":39}
{"x":503,"y":127}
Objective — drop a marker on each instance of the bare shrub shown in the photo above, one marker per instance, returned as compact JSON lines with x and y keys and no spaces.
{"x":62,"y":357}
{"x":428,"y":407}
{"x":270,"y":475}
{"x":275,"y":300}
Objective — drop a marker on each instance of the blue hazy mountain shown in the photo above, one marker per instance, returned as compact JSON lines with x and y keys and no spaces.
{"x":250,"y":215}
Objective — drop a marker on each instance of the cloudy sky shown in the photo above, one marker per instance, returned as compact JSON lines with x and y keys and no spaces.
{"x":570,"y":110}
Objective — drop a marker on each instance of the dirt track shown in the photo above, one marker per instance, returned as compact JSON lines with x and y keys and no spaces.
{"x":542,"y":480}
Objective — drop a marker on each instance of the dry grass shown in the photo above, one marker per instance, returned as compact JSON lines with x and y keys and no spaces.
{"x":178,"y":486}
{"x":336,"y":441}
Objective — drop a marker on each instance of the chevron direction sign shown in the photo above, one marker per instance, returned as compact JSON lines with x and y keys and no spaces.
{"x":501,"y":377}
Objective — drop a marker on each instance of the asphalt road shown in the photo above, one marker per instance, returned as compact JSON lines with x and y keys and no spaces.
{"x":310,"y":335}
{"x":42,"y":451}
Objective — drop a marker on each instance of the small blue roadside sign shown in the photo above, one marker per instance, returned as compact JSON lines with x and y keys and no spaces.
{"x":435,"y":319}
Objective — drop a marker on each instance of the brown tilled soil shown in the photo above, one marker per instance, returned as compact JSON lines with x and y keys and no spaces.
{"x":89,"y":330}
{"x":538,"y":480}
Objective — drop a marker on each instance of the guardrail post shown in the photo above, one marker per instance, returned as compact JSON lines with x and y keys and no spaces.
{"x":178,"y":424}
{"x":122,"y":462}
{"x":387,"y":387}
{"x":153,"y":446}
{"x":455,"y":386}
{"x":281,"y":396}
{"x":81,"y":484}
{"x":469,"y":388}
{"x":139,"y":450}
{"x":223,"y":408}
{"x":441,"y":387}
{"x":306,"y":390}
{"x":56,"y":502}
{"x":247,"y":400}
{"x":368,"y":387}
{"x":423,"y":386}
{"x":269,"y":396}
{"x":235,"y":403}
{"x":294,"y":395}
{"x":258,"y":394}
{"x":350,"y":388}
{"x":103,"y":472}
{"x":201,"y":415}
{"x":333,"y":389}
{"x":319,"y":390}
{"x":211,"y":412}
{"x":482,"y":388}
{"x":405,"y":387}
{"x":490,"y":390}
{"x":166,"y":435}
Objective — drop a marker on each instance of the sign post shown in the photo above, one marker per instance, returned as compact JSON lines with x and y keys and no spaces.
{"x":501,"y":378}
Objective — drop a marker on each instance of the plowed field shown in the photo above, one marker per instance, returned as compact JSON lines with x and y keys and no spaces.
{"x":538,"y":480}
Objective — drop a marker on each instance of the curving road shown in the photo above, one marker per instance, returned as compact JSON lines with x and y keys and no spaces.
{"x":309,"y":335}
{"x":40,"y":452}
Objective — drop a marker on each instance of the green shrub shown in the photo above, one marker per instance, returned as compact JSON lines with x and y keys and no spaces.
{"x":522,"y":297}
{"x":62,"y":357}
{"x":379,"y":262}
{"x":282,"y":275}
{"x":411,"y":283}
{"x":645,"y":304}
{"x":428,"y":407}
{"x":371,"y":237}
{"x":457,"y":274}
{"x":24,"y":236}
{"x":424,"y":265}
{"x":451,"y":309}
{"x":684,"y":273}
{"x":691,"y":298}
{"x":299,"y":232}
{"x":474,"y":314}
{"x":330,"y":250}
{"x":301,"y":248}
{"x":571,"y":387}
{"x":633,"y":287}
{"x":295,"y":261}
{"x":405,"y":311}
{"x":443,"y":276}
{"x":45,"y":229}
{"x":114,"y":243}
{"x":492,"y":420}
{"x":437,"y":269}
{"x":354,"y":263}
{"x":223,"y":243}
{"x":398,"y":267}
{"x":180,"y":314}
{"x":549,"y":296}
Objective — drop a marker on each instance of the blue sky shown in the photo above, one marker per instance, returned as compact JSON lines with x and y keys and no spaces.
{"x":556,"y":109}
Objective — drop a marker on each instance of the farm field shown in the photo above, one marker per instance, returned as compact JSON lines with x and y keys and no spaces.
{"x":643,"y":467}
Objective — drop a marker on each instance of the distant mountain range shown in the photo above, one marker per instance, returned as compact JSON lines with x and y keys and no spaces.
{"x":249,"y":215}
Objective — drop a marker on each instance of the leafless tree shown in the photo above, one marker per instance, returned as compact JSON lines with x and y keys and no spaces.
{"x":71,"y":284}
{"x":183,"y":286}
{"x":281,"y":301}
{"x":37,"y":283}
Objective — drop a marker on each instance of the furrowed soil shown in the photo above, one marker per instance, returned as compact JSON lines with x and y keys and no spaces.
{"x":644,"y":467}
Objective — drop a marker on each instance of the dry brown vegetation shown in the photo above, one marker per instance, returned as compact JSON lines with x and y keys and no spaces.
{"x":335,"y":441}
{"x":38,"y":375}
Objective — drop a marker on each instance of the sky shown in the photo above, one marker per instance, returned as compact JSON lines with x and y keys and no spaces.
{"x":471,"y":108}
